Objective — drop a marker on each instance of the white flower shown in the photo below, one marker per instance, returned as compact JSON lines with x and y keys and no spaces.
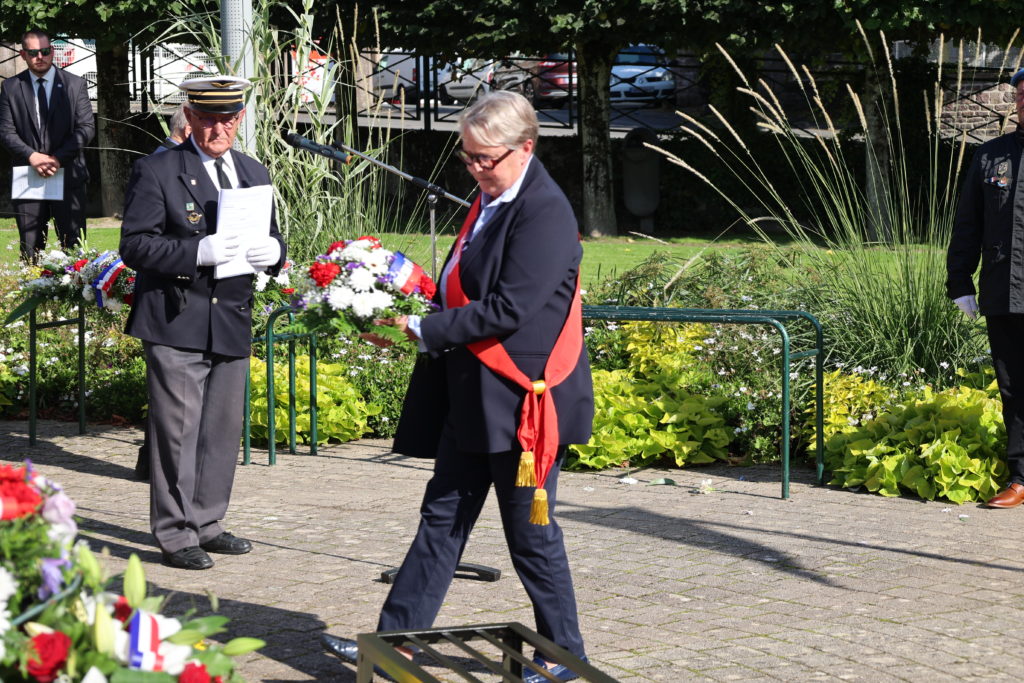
{"x":113,"y":305}
{"x":8,"y":585}
{"x":66,"y":280}
{"x":361,"y":279}
{"x":377,"y":261}
{"x":20,"y":369}
{"x":55,"y":255}
{"x":381,"y":299}
{"x":750,"y":405}
{"x":340,"y":297}
{"x":88,"y":294}
{"x":261,"y":281}
{"x":363,"y":304}
{"x":283,"y":278}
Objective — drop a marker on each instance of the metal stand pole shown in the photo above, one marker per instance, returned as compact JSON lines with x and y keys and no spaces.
{"x":432,"y":210}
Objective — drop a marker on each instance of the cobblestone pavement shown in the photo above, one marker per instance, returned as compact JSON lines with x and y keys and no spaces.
{"x":673,"y":584}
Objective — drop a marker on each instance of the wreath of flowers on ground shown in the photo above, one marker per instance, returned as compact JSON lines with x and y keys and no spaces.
{"x":59,"y":623}
{"x":355,"y":282}
{"x":98,"y":278}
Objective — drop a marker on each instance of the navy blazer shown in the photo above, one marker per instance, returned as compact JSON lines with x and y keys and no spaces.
{"x":69,"y":126}
{"x":170,"y":205}
{"x":520,"y":274}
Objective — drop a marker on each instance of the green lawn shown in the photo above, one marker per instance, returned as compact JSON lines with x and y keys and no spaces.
{"x":603,"y":257}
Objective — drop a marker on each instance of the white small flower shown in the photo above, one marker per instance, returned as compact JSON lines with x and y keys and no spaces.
{"x":261,"y":281}
{"x":750,"y":405}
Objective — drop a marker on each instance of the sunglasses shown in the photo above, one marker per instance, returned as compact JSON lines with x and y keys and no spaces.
{"x":211,"y":121}
{"x":44,"y":51}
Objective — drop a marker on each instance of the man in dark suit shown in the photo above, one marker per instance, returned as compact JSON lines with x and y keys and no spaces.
{"x":45,"y":122}
{"x":989,"y":228}
{"x":195,"y":328}
{"x":506,"y":385}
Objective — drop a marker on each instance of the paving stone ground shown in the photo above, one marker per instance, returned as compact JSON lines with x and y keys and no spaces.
{"x":672,"y":584}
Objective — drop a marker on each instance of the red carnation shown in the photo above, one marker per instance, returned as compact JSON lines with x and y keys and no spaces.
{"x":287,"y":290}
{"x":194,"y":672}
{"x":18,"y":499}
{"x":427,"y":287}
{"x":324,"y":273}
{"x":80,"y":264}
{"x":49,"y":652}
{"x":12,"y":473}
{"x":122,"y":610}
{"x":340,"y":244}
{"x":46,"y":273}
{"x":372,"y":240}
{"x":128,"y":299}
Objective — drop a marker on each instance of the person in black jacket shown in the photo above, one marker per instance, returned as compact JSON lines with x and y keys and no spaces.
{"x":195,"y":328}
{"x":508,"y":338}
{"x":989,"y":228}
{"x":46,"y":121}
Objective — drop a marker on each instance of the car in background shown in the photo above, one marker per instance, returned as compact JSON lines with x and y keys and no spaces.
{"x":640,"y":74}
{"x":546,"y":80}
{"x":465,"y":79}
{"x":394,"y":74}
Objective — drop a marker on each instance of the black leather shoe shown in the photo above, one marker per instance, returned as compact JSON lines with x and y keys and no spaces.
{"x":347,"y":651}
{"x":344,"y":649}
{"x":558,"y":671}
{"x":227,"y":544}
{"x":192,"y":557}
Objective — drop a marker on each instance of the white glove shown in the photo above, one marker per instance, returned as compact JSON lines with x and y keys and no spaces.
{"x":217,"y":249}
{"x":266,"y":253}
{"x":968,"y":304}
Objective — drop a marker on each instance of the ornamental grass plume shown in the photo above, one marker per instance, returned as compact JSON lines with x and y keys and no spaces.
{"x":867,"y":253}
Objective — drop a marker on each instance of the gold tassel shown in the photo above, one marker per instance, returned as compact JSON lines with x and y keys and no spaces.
{"x":526,"y":476}
{"x":539,"y":508}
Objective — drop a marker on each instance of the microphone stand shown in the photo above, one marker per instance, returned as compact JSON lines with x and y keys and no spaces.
{"x":433,"y":192}
{"x":345,"y":156}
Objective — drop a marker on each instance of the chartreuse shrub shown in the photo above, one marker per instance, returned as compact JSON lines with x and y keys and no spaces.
{"x":643,"y":413}
{"x":948,"y":444}
{"x":342,"y":414}
{"x":849,"y":400}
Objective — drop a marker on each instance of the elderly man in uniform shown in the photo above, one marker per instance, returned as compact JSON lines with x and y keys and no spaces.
{"x":195,"y":328}
{"x":989,"y":228}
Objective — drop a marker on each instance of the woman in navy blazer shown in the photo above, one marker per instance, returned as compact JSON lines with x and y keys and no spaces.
{"x":518,"y":265}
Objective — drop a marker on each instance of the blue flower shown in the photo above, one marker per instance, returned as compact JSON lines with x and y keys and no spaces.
{"x":53,"y":575}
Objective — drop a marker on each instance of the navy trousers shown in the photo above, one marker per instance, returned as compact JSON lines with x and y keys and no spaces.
{"x":452,"y":502}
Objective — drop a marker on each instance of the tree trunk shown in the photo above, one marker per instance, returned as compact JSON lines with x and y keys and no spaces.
{"x":113,"y":105}
{"x":876,"y":149}
{"x":593,"y":68}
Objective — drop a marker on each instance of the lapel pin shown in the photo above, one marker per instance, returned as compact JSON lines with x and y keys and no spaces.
{"x":190,"y":206}
{"x":193,"y":217}
{"x":193,"y":181}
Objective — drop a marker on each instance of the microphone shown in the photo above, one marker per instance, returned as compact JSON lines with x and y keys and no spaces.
{"x":296,"y":140}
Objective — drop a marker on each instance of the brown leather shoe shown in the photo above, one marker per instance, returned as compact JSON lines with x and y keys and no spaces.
{"x":1010,"y":498}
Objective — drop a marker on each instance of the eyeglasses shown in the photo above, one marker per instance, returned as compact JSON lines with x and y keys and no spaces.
{"x":44,"y":51}
{"x":211,"y":121}
{"x":485,"y":162}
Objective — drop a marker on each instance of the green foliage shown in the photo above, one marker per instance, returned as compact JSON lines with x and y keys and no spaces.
{"x":380,"y":375}
{"x":643,"y":416}
{"x":876,"y":284}
{"x":342,"y":412}
{"x":849,"y":400}
{"x":949,"y":444}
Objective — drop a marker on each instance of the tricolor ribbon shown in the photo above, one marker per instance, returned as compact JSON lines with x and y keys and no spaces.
{"x":105,"y":282}
{"x":409,"y":277}
{"x":144,"y":642}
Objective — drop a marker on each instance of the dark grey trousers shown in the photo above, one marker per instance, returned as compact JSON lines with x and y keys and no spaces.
{"x":194,"y":432}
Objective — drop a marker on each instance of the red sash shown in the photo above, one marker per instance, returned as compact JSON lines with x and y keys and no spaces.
{"x":538,"y":421}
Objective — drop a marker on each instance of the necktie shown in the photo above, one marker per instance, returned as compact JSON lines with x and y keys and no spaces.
{"x":44,"y":107}
{"x":222,"y":177}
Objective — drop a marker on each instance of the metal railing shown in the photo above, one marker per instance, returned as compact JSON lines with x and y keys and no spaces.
{"x":775,"y":319}
{"x":270,"y":338}
{"x":33,"y":329}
